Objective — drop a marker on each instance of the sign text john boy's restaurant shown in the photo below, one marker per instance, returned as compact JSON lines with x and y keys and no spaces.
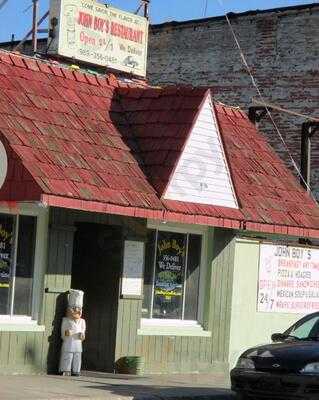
{"x":288,"y":279}
{"x":98,"y":34}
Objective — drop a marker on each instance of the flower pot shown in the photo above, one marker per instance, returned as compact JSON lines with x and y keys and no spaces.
{"x":133,"y":365}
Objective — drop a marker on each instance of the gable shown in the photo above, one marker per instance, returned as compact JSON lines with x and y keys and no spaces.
{"x":202,"y":175}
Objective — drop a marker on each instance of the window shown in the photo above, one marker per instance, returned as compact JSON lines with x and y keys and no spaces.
{"x":172,"y":273}
{"x":17,"y":248}
{"x":306,"y":327}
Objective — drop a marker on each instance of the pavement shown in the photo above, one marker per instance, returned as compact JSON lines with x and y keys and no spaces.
{"x":101,"y":386}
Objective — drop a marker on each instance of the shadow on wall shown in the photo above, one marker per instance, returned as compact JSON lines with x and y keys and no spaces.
{"x":54,"y":339}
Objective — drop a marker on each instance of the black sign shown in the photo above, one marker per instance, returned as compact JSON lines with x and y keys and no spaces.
{"x":169,"y":275}
{"x":6,"y":242}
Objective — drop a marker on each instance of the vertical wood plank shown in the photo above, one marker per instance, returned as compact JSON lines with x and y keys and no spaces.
{"x":5,"y":348}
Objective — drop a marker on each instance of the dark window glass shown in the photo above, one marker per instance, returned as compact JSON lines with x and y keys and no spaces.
{"x":16,"y":279}
{"x":148,"y":273}
{"x":169,"y":275}
{"x":171,"y":288}
{"x":24,"y":268}
{"x":192,"y":277}
{"x":6,"y":255}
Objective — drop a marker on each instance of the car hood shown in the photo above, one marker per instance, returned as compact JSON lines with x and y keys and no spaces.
{"x":289,"y":356}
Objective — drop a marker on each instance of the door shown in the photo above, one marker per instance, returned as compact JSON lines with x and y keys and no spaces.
{"x":96,"y":268}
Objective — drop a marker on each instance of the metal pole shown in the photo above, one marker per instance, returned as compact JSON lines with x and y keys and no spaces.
{"x":30,"y":32}
{"x":35,"y":26}
{"x":12,"y":41}
{"x":146,"y":8}
{"x":308,"y":130}
{"x":305,"y":156}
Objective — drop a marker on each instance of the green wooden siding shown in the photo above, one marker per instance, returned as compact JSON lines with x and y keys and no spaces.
{"x":57,"y":282}
{"x":30,"y":352}
{"x":21,"y":352}
{"x":221,"y":293}
{"x":64,"y":224}
{"x":187,"y":353}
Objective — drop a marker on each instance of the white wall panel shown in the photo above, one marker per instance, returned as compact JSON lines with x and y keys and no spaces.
{"x":202,"y":175}
{"x":3,"y":164}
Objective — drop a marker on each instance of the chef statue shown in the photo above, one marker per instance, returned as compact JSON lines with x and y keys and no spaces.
{"x":72,"y":333}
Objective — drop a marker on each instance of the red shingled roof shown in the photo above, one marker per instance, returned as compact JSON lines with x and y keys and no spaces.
{"x":160,"y":121}
{"x":97,"y":143}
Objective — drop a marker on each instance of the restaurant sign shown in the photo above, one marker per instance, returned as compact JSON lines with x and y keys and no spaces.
{"x":288,"y":279}
{"x":99,"y":34}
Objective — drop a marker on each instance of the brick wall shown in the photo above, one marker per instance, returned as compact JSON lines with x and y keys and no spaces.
{"x":282,"y":48}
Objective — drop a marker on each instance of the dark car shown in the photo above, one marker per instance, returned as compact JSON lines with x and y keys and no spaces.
{"x":287,"y":369}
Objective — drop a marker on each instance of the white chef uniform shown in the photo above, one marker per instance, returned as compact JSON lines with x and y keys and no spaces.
{"x":71,"y":353}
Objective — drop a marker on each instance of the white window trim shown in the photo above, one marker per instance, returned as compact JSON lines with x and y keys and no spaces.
{"x":29,"y":323}
{"x":19,"y":323}
{"x":178,"y":327}
{"x":176,"y":227}
{"x":171,"y":327}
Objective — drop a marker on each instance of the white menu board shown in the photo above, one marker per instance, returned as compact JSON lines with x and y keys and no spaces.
{"x":132,"y":279}
{"x":89,"y":31}
{"x":288,"y":279}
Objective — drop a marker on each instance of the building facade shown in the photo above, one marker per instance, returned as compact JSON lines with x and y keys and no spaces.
{"x":281,"y":48}
{"x":160,"y":204}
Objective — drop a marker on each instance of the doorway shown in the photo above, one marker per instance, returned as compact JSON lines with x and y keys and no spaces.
{"x":96,"y":269}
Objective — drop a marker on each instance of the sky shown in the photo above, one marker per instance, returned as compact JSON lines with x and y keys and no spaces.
{"x":16,"y":15}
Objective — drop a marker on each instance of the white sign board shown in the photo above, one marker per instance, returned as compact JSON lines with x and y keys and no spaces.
{"x":98,"y":34}
{"x":3,"y":164}
{"x":132,"y":279}
{"x":288,"y":279}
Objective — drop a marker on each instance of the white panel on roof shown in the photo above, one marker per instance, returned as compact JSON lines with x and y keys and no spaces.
{"x":202,"y":174}
{"x":3,"y":164}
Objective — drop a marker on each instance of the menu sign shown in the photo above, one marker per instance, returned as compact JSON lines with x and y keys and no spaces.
{"x":132,"y":279}
{"x":288,"y":279}
{"x":99,"y":34}
{"x":6,"y":236}
{"x":169,"y":275}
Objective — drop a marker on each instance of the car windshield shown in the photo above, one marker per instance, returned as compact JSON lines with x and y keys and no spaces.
{"x":305,"y":329}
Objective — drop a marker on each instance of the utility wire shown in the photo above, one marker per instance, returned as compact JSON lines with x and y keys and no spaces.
{"x":205,"y":8}
{"x":242,"y":55}
{"x":3,"y":3}
{"x":285,"y":110}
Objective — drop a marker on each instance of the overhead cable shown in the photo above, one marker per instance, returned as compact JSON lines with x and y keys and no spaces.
{"x":2,"y":3}
{"x":243,"y":58}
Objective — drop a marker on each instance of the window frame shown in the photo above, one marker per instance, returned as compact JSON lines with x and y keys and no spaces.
{"x":184,"y":229}
{"x":41,"y":213}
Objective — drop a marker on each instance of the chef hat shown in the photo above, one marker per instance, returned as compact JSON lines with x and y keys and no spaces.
{"x":75,"y":298}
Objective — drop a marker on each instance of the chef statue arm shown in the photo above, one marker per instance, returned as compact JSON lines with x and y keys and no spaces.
{"x":82,"y":335}
{"x":64,"y":329}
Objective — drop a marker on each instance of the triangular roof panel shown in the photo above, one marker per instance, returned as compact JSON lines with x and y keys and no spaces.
{"x":202,"y":174}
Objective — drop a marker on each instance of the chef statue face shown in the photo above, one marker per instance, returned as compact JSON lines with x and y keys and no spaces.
{"x":74,"y":313}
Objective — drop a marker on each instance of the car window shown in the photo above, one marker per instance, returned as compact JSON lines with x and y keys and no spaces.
{"x":306,"y":328}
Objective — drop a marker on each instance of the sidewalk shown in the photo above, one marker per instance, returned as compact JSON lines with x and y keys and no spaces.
{"x":100,"y":386}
